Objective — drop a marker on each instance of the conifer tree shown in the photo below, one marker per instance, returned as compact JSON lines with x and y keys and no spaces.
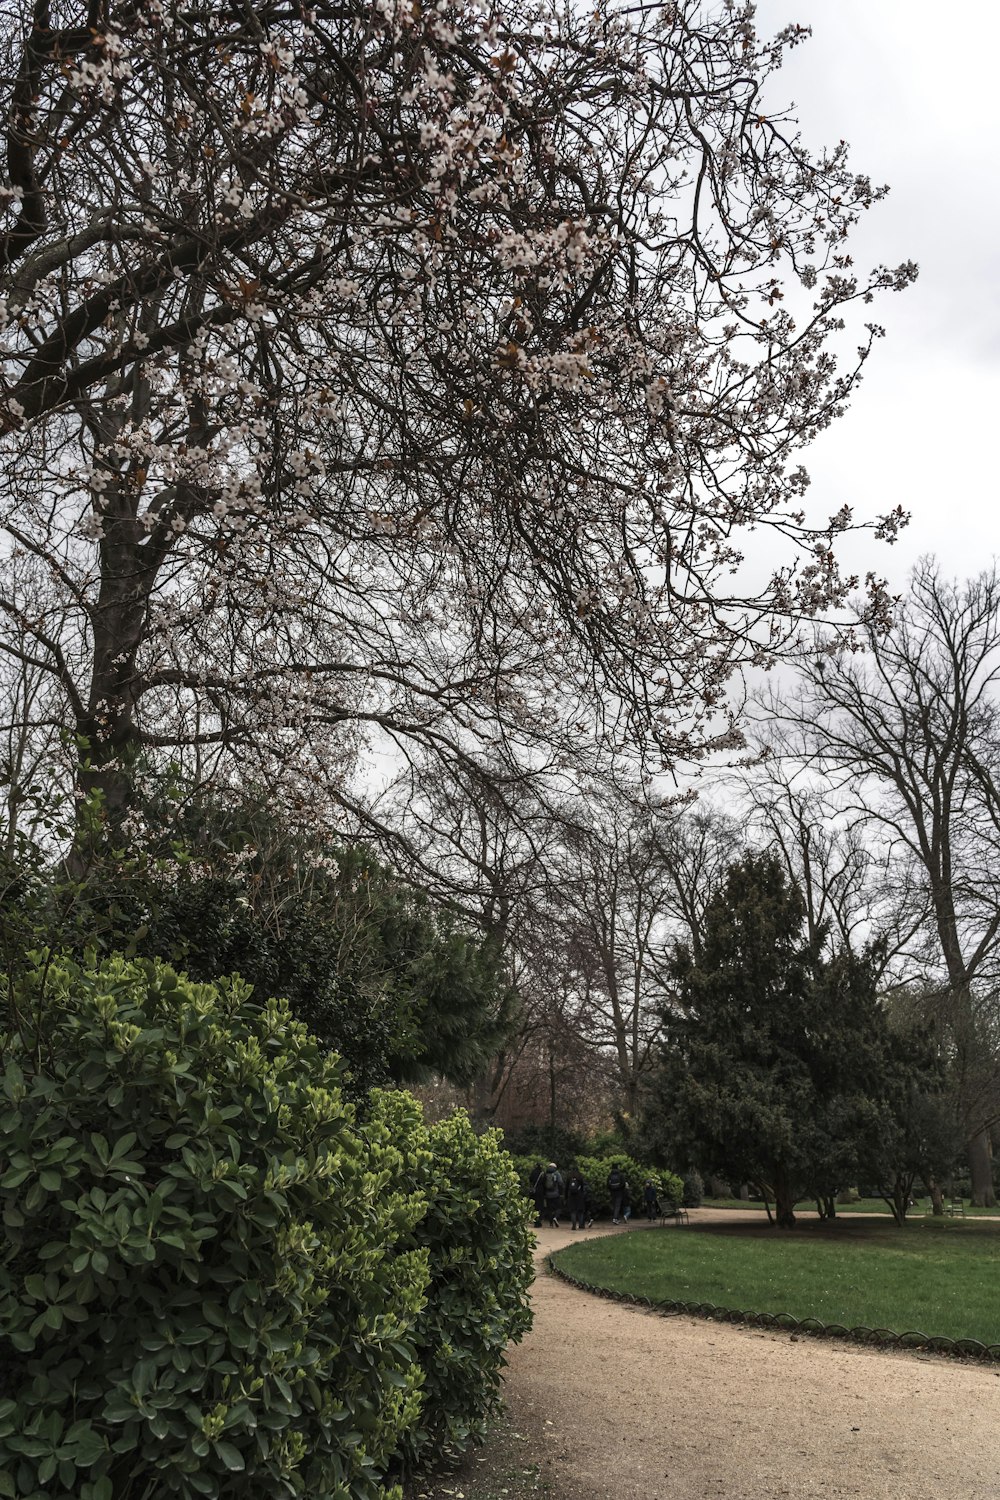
{"x":776,"y":1067}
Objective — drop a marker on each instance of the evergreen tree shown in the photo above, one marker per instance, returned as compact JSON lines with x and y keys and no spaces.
{"x":776,"y":1067}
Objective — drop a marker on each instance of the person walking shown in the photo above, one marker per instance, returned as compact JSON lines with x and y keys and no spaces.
{"x":576,"y":1201}
{"x":617,"y":1186}
{"x":553,"y":1186}
{"x":649,"y":1199}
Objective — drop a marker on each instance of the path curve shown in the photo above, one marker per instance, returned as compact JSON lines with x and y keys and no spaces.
{"x":626,"y":1404}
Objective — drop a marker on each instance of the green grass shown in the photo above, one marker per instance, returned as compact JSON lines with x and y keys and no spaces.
{"x":922,"y":1208}
{"x":937,"y":1277}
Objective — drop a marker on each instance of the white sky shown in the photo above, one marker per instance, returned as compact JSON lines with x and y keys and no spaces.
{"x":915,"y":94}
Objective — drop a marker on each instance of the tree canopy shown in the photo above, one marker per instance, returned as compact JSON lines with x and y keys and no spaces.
{"x":400,"y":379}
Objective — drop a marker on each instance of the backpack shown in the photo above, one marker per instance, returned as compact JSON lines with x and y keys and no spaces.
{"x":616,"y":1179}
{"x":551,"y":1184}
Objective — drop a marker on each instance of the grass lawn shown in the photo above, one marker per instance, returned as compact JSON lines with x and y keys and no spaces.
{"x":941,"y":1278}
{"x":920,"y":1210}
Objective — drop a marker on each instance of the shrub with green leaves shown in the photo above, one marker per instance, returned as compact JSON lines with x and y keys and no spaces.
{"x":475,"y":1232}
{"x":595,"y":1169}
{"x":694,"y":1189}
{"x":209,"y":1282}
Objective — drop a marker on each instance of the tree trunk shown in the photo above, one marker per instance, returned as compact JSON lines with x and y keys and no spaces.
{"x":480,"y":1101}
{"x":108,"y":741}
{"x":784,"y":1201}
{"x":937,"y":1196}
{"x":981,"y":1170}
{"x":898,"y":1196}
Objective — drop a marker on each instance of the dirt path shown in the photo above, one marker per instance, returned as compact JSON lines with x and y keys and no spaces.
{"x":625,"y":1404}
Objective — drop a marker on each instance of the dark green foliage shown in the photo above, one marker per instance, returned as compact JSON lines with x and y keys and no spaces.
{"x":693,"y":1190}
{"x":399,"y":986}
{"x":208,"y":1283}
{"x":776,"y":1067}
{"x":610,"y":1142}
{"x":553,"y":1142}
{"x":923,"y":1139}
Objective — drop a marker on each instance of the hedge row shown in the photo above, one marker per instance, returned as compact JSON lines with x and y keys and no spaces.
{"x":213,"y":1281}
{"x":595,"y":1169}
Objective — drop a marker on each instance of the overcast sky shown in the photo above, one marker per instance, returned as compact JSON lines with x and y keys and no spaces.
{"x":916,"y":95}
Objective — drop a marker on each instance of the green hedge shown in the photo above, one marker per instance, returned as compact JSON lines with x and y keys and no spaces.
{"x":477,"y":1240}
{"x":212,"y":1283}
{"x":595,"y":1170}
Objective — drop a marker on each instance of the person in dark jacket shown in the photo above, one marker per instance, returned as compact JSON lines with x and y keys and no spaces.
{"x":576,"y":1201}
{"x":553,"y":1185}
{"x":617,"y":1186}
{"x":650,"y":1202}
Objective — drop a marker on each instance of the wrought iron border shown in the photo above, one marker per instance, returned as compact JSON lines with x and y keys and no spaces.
{"x":880,"y":1338}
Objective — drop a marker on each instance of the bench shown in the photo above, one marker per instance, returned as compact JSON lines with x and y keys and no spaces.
{"x":674,"y":1216}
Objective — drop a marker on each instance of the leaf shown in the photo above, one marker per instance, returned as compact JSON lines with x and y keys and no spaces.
{"x":231,"y":1457}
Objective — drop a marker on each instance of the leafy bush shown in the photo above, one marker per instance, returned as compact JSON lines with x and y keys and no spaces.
{"x":475,"y":1235}
{"x":524,"y":1166}
{"x":693,"y":1189}
{"x":196,"y":1297}
{"x":607,"y":1143}
{"x":595,"y":1169}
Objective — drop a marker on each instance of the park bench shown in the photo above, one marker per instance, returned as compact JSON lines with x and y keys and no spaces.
{"x":671,"y":1215}
{"x":955,"y":1208}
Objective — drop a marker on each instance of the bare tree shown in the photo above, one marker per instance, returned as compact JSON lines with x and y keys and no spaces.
{"x":908,"y":738}
{"x":608,"y":908}
{"x":380,"y":376}
{"x":694,"y":848}
{"x":34,"y":757}
{"x":859,"y":893}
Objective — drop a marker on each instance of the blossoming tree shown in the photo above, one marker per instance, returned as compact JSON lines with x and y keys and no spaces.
{"x":410,"y":372}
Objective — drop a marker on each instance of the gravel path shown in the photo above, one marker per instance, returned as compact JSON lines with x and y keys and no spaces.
{"x":623,"y":1403}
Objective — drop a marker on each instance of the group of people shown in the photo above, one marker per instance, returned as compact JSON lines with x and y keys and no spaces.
{"x":546,"y":1186}
{"x":549,"y":1191}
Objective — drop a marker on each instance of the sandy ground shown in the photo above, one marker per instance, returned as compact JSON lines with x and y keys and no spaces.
{"x":624,"y":1403}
